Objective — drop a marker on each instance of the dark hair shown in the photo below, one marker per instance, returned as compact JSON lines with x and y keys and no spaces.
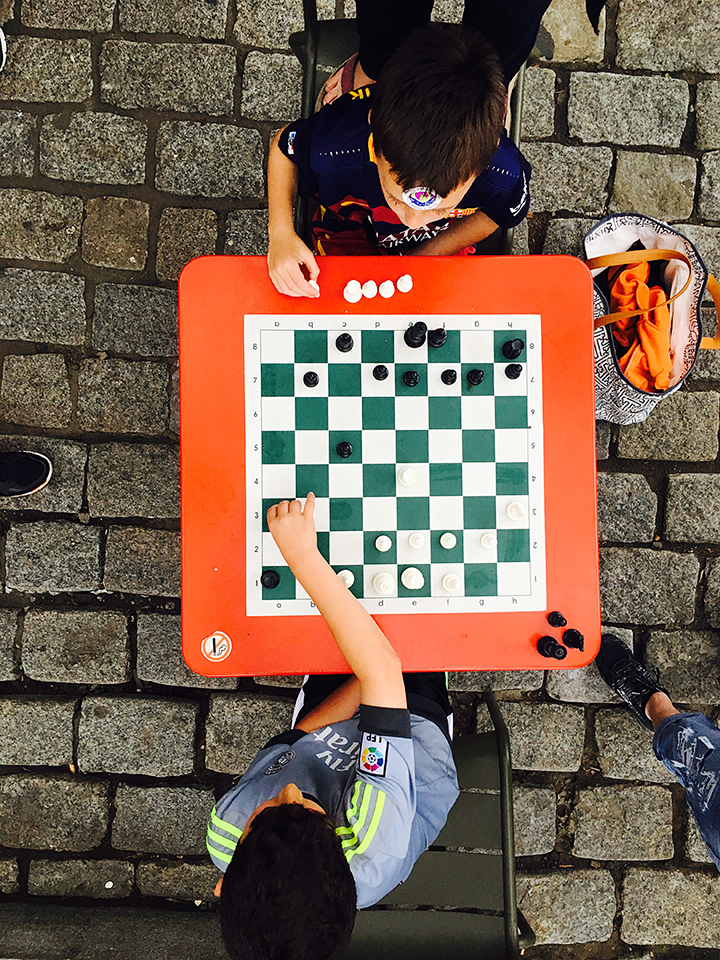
{"x":288,"y":893}
{"x":438,"y":108}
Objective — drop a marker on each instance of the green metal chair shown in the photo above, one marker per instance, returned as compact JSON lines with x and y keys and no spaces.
{"x":459,"y":902}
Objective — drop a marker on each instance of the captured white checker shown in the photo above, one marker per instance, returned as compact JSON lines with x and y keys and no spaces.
{"x":520,"y":583}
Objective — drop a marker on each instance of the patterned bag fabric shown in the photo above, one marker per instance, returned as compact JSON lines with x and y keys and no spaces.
{"x":685,"y":280}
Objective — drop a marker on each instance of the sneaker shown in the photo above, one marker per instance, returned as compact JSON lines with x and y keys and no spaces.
{"x":630,"y":680}
{"x":3,"y":49}
{"x":22,"y":473}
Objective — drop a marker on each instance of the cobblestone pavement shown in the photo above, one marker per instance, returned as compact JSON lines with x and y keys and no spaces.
{"x":132,"y":138}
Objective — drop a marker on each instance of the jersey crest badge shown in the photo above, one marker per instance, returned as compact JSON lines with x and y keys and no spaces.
{"x":281,"y":762}
{"x":291,"y":142}
{"x":373,"y":755}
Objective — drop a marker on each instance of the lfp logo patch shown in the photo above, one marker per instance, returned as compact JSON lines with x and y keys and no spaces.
{"x":373,"y":755}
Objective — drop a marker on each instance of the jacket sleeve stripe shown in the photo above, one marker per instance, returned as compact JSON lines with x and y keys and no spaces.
{"x":360,"y":836}
{"x":224,"y":825}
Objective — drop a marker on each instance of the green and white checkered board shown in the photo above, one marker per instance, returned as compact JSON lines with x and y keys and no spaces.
{"x":474,"y":449}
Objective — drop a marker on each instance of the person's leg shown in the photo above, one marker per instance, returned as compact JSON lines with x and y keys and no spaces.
{"x":383,"y":25}
{"x":427,"y":696}
{"x":511,"y":27}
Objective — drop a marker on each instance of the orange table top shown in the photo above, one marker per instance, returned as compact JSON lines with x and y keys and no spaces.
{"x":477,"y":469}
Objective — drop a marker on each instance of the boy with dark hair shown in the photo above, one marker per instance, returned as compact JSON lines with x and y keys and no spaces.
{"x":418,"y":163}
{"x":332,"y":814}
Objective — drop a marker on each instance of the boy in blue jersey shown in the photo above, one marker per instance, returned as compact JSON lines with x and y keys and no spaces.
{"x":332,"y":814}
{"x":418,"y":163}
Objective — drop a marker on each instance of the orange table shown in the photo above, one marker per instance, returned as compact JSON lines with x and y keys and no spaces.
{"x":506,"y":466}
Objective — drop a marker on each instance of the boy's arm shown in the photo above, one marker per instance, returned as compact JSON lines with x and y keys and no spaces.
{"x":341,"y":704}
{"x":286,"y":251}
{"x":362,"y":643}
{"x":460,"y":234}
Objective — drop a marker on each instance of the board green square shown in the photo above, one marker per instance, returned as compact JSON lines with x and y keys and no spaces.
{"x":379,"y":480}
{"x":449,"y":352}
{"x":285,"y":590}
{"x":510,"y":413}
{"x":357,"y":571}
{"x":446,"y":480}
{"x":424,"y":590}
{"x":344,"y":380}
{"x":513,"y":546}
{"x":439,"y":554}
{"x":501,"y":336}
{"x":480,"y":580}
{"x":371,"y":554}
{"x":479,"y":513}
{"x":478,"y":446}
{"x":352,"y":436}
{"x":445,"y":413}
{"x":411,"y":446}
{"x":413,"y":513}
{"x":312,"y":476}
{"x":484,"y":389}
{"x":311,"y":346}
{"x":378,"y":413}
{"x":401,"y":388}
{"x":311,"y":413}
{"x":277,"y":380}
{"x":511,"y":479}
{"x":278,"y":446}
{"x":323,"y":543}
{"x":346,"y":514}
{"x":377,"y":346}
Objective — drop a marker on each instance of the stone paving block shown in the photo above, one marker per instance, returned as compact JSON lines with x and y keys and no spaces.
{"x":100,"y":879}
{"x":638,"y":111}
{"x":269,"y":25}
{"x":571,"y":906}
{"x":209,"y":160}
{"x":695,"y":847}
{"x":543,"y":736}
{"x":271,"y":86}
{"x":538,"y":111}
{"x":623,"y":823}
{"x":566,"y":236}
{"x":239,"y":725}
{"x":659,"y":185}
{"x":133,"y":319}
{"x":707,"y":115}
{"x":38,"y":226}
{"x":602,"y":439}
{"x":293,"y":682}
{"x":8,"y":627}
{"x":712,"y":594}
{"x":521,"y":239}
{"x":177,"y":881}
{"x":93,"y":147}
{"x":709,"y":200}
{"x":36,"y":732}
{"x":585,"y":685}
{"x":16,"y":131}
{"x":52,"y":556}
{"x":574,"y":178}
{"x":146,"y":562}
{"x":572,"y":35}
{"x":142,"y":736}
{"x":246,"y":232}
{"x":689,"y":664}
{"x":650,"y":908}
{"x":35,"y":390}
{"x":134,"y":480}
{"x":115,"y":232}
{"x":186,"y":17}
{"x":94,"y":15}
{"x":9,"y":876}
{"x":692,"y":512}
{"x":123,"y":396}
{"x":534,"y":816}
{"x":183,"y":235}
{"x":626,"y":507}
{"x":64,"y":492}
{"x":647,"y":586}
{"x":625,"y":748}
{"x":76,"y":646}
{"x":168,"y":820}
{"x":52,"y":813}
{"x":642,"y":36}
{"x":191,"y":77}
{"x":41,"y":307}
{"x":40,"y":70}
{"x":175,"y":402}
{"x":496,"y":680}
{"x":160,"y":659}
{"x":707,"y":240}
{"x":682,"y":427}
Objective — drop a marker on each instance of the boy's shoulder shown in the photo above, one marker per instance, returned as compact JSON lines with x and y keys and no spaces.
{"x":342,"y":131}
{"x":506,"y":166}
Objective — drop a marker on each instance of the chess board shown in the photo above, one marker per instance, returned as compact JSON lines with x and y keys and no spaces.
{"x":505,"y":465}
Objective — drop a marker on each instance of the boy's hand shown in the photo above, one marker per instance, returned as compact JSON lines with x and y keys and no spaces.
{"x":293,"y":529}
{"x":287,"y":254}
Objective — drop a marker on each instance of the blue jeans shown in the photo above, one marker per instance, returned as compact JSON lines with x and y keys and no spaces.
{"x":689,"y":746}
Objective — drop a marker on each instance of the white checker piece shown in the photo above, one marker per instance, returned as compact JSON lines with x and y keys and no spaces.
{"x":520,"y":585}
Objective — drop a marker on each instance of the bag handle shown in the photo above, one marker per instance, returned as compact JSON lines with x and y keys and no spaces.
{"x":713,"y":288}
{"x":635,"y":256}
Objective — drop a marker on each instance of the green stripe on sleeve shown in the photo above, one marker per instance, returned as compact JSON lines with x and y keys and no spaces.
{"x":224,"y":825}
{"x":372,"y":829}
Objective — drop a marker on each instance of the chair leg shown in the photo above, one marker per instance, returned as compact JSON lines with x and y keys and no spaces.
{"x":515,"y":131}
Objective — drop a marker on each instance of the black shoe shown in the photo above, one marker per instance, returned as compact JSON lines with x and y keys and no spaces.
{"x":630,"y":680}
{"x":22,"y":473}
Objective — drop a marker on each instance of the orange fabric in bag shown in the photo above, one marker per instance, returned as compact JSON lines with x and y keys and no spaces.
{"x":647,"y":362}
